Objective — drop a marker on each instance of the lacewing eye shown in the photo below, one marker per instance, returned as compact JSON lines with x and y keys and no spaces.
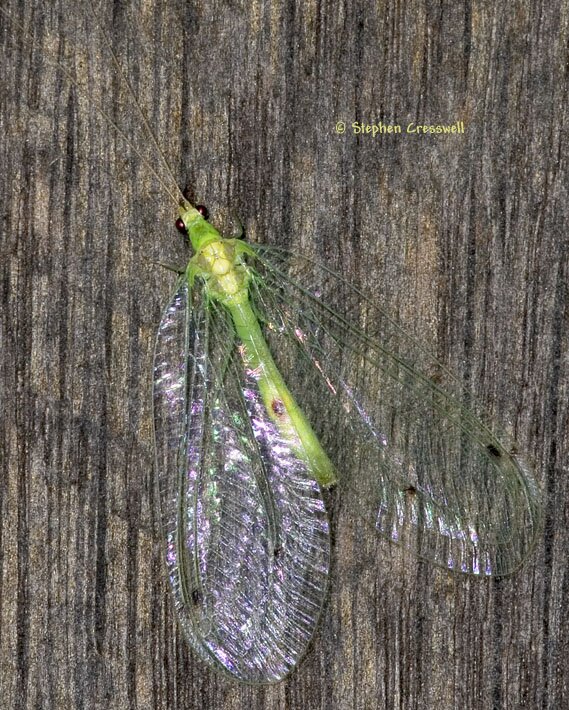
{"x":202,"y":209}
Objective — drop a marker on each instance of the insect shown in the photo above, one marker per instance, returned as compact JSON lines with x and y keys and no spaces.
{"x":243,"y":456}
{"x":275,"y":379}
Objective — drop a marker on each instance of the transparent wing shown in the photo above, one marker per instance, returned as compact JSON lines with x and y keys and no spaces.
{"x":245,"y":524}
{"x":415,"y":451}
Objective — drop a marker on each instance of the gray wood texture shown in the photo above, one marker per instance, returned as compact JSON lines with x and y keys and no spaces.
{"x":463,"y":236}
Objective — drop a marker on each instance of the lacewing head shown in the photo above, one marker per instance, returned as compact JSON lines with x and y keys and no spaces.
{"x":181,"y":224}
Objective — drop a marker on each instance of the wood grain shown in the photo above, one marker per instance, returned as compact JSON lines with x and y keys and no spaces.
{"x":463,"y":236}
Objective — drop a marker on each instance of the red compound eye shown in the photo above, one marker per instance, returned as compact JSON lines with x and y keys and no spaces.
{"x":180,"y":226}
{"x":202,"y":209}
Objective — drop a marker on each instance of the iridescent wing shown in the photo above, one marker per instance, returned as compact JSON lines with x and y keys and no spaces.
{"x":417,"y":454}
{"x":244,"y":522}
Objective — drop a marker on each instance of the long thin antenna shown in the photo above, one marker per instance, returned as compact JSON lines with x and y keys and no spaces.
{"x":97,"y":106}
{"x":124,"y":78}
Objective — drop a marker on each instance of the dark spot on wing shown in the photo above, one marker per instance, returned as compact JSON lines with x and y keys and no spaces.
{"x":494,"y":451}
{"x":196,"y":597}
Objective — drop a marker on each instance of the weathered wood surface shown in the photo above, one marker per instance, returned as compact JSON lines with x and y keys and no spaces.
{"x":463,"y":236}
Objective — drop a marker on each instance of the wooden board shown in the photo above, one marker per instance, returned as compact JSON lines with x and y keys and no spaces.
{"x":463,"y":236}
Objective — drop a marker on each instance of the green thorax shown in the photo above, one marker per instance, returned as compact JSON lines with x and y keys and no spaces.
{"x":217,"y":260}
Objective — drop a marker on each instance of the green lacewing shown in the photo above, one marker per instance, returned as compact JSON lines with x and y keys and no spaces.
{"x":265,"y":359}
